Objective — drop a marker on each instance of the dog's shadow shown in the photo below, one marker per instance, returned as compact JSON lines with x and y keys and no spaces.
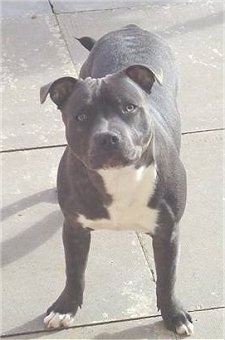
{"x":37,"y":234}
{"x":26,"y":330}
{"x":48,"y":196}
{"x":153,"y":330}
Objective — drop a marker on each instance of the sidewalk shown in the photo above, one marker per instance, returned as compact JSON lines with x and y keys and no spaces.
{"x":119,"y":302}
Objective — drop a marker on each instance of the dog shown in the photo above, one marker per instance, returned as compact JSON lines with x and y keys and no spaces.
{"x":121,"y":168}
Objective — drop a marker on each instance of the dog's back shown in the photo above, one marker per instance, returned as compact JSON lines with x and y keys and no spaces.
{"x":128,"y":46}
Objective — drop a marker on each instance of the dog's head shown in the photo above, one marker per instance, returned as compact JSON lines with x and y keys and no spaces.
{"x":107,"y":120}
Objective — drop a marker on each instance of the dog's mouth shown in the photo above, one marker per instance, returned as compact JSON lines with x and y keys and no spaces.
{"x":101,"y":160}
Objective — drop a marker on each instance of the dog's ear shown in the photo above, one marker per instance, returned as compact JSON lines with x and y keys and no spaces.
{"x":59,"y":90}
{"x":87,"y":42}
{"x":144,"y":76}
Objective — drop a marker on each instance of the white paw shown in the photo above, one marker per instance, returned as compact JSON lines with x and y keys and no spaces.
{"x":57,"y":320}
{"x":185,"y":329}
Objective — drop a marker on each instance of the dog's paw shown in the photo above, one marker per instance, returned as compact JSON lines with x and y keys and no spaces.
{"x":58,"y":320}
{"x":182,"y":324}
{"x":177,"y":319}
{"x":61,"y":313}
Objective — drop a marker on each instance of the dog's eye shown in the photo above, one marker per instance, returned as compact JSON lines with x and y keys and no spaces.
{"x":129,"y":108}
{"x":81,"y":117}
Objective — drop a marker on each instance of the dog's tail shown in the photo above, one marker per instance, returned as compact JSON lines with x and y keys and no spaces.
{"x":87,"y":42}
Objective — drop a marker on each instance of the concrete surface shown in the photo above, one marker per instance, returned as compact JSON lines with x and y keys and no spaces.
{"x":33,"y":54}
{"x":88,"y":5}
{"x":37,"y":47}
{"x":25,"y":8}
{"x":150,"y":328}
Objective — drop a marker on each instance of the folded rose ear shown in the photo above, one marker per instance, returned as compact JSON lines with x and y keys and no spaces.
{"x":144,"y":76}
{"x":59,"y":90}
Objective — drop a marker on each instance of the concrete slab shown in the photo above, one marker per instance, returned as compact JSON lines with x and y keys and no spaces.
{"x":119,"y":284}
{"x":151,"y":328}
{"x":195,"y":38}
{"x":88,"y":5}
{"x":200,"y":272}
{"x":34,"y":54}
{"x":25,"y":8}
{"x":208,"y":325}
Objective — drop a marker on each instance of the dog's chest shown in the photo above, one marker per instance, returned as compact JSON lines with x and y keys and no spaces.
{"x":131,"y":190}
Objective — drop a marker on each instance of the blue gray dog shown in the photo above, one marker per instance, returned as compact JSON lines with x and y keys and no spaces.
{"x":121,"y":169}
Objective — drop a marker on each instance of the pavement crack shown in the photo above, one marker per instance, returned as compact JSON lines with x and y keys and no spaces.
{"x":149,"y":263}
{"x":52,"y":6}
{"x":63,"y":145}
{"x":87,"y":11}
{"x":66,"y":43}
{"x":34,"y":148}
{"x":206,"y":309}
{"x":201,"y":131}
{"x":100,"y":323}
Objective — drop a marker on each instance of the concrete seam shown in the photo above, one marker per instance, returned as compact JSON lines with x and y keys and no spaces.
{"x":34,"y":148}
{"x":153,"y":274}
{"x":201,"y":131}
{"x":142,"y":7}
{"x":66,"y":44}
{"x":61,"y":145}
{"x":52,"y":6}
{"x":101,"y":323}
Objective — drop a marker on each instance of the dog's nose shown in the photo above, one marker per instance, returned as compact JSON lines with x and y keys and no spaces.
{"x":107,"y":140}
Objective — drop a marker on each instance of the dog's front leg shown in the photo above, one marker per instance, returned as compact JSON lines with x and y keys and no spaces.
{"x":165,"y":246}
{"x":76,"y":241}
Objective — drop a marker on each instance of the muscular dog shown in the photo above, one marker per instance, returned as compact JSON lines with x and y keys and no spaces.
{"x":121,"y":169}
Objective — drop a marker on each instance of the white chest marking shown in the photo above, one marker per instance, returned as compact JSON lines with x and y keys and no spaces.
{"x":131,"y":190}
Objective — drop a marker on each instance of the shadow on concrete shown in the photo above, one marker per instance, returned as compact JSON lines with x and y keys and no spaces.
{"x":48,"y":196}
{"x":36,"y":323}
{"x":30,"y":239}
{"x":194,"y":25}
{"x":150,"y":331}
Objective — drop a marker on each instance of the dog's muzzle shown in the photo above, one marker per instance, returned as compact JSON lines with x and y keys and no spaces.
{"x":109,"y":150}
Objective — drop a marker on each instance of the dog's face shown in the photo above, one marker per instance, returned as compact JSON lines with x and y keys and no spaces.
{"x":107,"y":120}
